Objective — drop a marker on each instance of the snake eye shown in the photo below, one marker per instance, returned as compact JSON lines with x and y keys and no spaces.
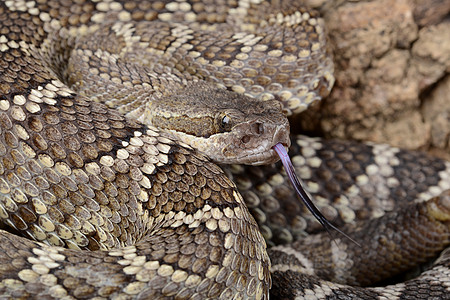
{"x":225,"y":123}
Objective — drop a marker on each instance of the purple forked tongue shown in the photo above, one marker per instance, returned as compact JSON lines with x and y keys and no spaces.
{"x":279,"y":148}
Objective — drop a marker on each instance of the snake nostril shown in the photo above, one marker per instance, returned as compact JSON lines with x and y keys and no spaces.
{"x":245,"y":139}
{"x":258,"y":128}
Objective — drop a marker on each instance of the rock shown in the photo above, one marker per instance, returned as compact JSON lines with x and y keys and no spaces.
{"x":390,"y":61}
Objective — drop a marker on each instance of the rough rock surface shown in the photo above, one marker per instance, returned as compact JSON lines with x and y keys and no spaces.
{"x":392,"y":62}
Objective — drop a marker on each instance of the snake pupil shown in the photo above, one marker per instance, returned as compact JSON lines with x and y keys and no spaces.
{"x":225,"y":121}
{"x":225,"y":124}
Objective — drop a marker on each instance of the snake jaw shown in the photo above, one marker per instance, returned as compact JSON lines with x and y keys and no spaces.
{"x":245,"y":144}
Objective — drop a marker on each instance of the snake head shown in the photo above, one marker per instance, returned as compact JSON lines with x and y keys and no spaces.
{"x":225,"y":126}
{"x":253,"y":130}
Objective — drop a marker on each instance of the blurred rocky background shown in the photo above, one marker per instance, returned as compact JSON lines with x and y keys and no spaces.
{"x":392,"y":68}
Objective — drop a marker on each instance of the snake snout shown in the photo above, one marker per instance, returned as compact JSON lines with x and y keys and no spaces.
{"x":281,"y":135}
{"x":256,"y":130}
{"x":259,"y":139}
{"x":259,"y":130}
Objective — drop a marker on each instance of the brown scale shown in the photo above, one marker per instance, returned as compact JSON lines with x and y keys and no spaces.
{"x":67,"y":144}
{"x":75,"y":173}
{"x":343,"y":199}
{"x":416,"y":246}
{"x":128,"y":205}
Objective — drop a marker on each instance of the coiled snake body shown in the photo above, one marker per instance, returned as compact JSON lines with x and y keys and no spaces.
{"x":161,"y":219}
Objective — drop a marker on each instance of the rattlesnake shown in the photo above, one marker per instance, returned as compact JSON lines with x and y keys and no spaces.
{"x":162,"y":219}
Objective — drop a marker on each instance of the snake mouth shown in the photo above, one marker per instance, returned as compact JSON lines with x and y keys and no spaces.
{"x":269,"y":156}
{"x":264,"y":157}
{"x":240,"y":147}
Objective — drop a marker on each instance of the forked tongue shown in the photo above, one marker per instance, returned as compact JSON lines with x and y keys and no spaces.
{"x":279,"y":148}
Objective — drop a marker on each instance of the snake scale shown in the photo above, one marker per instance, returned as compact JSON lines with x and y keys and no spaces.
{"x":81,"y":171}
